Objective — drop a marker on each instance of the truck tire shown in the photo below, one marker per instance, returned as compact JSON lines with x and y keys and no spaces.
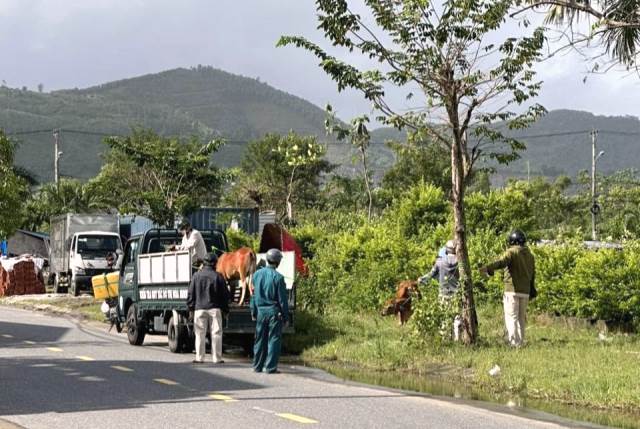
{"x":177,"y":336}
{"x":73,"y":287}
{"x":135,"y":327}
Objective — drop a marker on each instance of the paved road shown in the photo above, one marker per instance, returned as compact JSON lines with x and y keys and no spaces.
{"x":55,"y":373}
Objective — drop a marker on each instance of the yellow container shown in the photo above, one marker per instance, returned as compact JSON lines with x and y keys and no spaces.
{"x":105,"y":285}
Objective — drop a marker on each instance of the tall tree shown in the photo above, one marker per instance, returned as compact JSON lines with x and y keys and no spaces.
{"x":158,"y":177}
{"x":13,"y":189}
{"x":358,"y":134}
{"x":466,"y":74}
{"x":277,"y":171}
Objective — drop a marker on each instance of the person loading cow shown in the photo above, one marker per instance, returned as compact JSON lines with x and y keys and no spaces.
{"x":192,"y":240}
{"x":208,"y":298}
{"x":519,"y":280}
{"x":446,"y":271}
{"x":270,"y":310}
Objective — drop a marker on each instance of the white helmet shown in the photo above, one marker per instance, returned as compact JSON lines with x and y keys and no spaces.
{"x":450,"y":246}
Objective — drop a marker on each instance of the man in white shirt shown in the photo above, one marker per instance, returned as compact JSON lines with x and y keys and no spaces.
{"x":192,"y":240}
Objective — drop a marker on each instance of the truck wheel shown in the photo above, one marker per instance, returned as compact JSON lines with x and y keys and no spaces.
{"x":56,"y":285}
{"x":189,"y":344}
{"x":177,"y":336}
{"x":73,"y":287}
{"x":135,"y":328}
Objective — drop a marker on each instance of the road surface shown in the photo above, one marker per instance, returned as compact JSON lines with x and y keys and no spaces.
{"x":57,"y":373}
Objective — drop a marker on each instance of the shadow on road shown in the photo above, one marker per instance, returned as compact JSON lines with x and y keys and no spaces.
{"x":19,"y":332}
{"x":34,"y":386}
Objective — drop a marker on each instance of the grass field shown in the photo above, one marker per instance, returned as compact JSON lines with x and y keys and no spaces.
{"x":562,"y":361}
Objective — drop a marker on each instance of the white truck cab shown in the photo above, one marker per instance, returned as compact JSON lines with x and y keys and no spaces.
{"x":83,"y":246}
{"x":92,"y":253}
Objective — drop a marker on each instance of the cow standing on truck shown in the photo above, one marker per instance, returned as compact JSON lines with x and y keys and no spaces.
{"x":207,"y":300}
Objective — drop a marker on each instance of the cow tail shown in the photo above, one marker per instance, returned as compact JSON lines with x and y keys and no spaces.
{"x":252,"y":270}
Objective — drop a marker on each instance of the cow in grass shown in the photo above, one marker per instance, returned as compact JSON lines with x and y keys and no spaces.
{"x":400,"y":305}
{"x":238,"y":265}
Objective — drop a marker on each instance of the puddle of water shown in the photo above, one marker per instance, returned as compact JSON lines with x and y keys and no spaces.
{"x":438,"y":386}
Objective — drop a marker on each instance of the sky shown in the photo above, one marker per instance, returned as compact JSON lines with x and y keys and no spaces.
{"x":80,"y":43}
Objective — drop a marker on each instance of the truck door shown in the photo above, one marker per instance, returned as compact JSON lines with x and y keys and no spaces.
{"x":128,"y":289}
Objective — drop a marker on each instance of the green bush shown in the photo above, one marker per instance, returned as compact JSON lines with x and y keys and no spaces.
{"x":595,"y":284}
{"x":355,"y":265}
{"x":238,"y":239}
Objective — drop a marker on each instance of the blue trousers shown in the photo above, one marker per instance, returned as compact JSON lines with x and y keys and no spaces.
{"x":266,"y":350}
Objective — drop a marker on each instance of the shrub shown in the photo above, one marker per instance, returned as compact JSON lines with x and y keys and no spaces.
{"x":238,"y":239}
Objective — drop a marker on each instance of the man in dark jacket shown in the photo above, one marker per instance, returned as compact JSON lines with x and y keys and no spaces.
{"x":209,"y":297}
{"x":519,"y":278}
{"x":270,"y":310}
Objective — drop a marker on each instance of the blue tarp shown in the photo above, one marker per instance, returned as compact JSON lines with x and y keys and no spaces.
{"x":3,"y":247}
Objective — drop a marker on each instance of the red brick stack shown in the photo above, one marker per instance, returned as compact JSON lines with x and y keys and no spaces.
{"x":21,"y":280}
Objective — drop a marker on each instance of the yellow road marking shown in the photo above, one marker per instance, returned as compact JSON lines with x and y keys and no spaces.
{"x":165,"y":381}
{"x":121,"y":368}
{"x":29,"y":342}
{"x":7,"y":335}
{"x":54,"y":349}
{"x":85,"y":358}
{"x":220,"y":397}
{"x":296,"y":418}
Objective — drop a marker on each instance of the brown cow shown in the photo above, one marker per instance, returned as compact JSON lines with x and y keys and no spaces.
{"x":401,"y":304}
{"x":240,"y":264}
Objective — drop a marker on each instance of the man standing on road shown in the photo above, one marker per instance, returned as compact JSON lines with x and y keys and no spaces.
{"x":209,"y":297}
{"x":192,"y":240}
{"x":446,"y":271}
{"x":518,"y":282}
{"x":270,"y":310}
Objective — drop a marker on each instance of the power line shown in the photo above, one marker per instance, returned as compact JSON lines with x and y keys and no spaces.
{"x":374,"y":143}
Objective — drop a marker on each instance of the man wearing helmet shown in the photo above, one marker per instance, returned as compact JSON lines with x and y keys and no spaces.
{"x":270,"y":310}
{"x":446,"y":271}
{"x":519,"y":280}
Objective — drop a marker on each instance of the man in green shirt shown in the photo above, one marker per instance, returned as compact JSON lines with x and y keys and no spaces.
{"x":519,"y":279}
{"x":270,"y":310}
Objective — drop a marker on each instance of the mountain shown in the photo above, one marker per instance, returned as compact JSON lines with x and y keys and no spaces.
{"x":207,"y":102}
{"x":200,"y":101}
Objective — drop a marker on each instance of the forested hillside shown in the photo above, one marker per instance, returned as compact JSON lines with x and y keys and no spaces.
{"x":207,"y":102}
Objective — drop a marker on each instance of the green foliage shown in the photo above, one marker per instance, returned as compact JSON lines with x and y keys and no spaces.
{"x":239,"y":238}
{"x":416,"y":163}
{"x":359,"y":266}
{"x":69,"y":196}
{"x":602,"y":284}
{"x":158,"y":177}
{"x":13,"y":189}
{"x":272,"y":169}
{"x":432,"y":318}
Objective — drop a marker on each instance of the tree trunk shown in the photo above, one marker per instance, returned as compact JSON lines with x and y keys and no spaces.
{"x":363,"y":151}
{"x":469,"y":316}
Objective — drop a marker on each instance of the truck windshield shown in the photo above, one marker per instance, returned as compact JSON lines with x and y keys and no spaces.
{"x":97,"y":244}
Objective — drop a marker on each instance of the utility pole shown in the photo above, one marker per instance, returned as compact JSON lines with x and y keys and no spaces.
{"x":595,"y":208}
{"x":56,"y":156}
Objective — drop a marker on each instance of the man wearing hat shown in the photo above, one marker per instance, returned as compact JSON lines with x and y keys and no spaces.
{"x":208,"y":298}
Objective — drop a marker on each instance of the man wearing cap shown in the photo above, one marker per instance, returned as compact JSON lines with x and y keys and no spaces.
{"x":270,"y":310}
{"x":446,"y":271}
{"x":208,"y":298}
{"x":192,"y":240}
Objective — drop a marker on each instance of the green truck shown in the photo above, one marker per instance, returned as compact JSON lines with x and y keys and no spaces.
{"x":153,"y":287}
